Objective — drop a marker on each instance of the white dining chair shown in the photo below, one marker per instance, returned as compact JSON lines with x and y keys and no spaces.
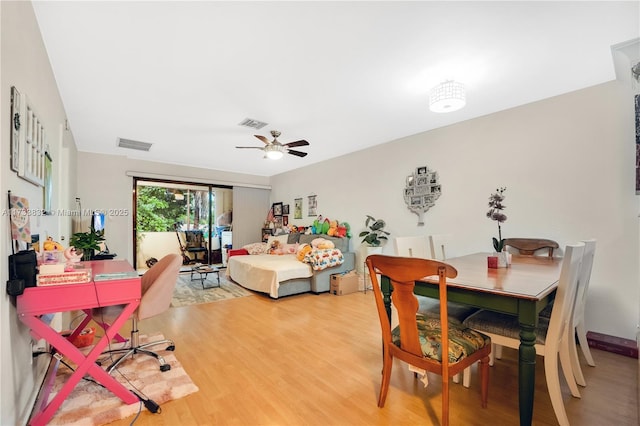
{"x":504,"y":329}
{"x":440,"y":246}
{"x":417,"y":246}
{"x":577,"y":326}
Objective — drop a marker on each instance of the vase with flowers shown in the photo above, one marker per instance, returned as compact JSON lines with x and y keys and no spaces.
{"x":495,"y":212}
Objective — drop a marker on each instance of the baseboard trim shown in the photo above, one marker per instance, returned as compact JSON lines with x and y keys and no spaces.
{"x":618,"y":345}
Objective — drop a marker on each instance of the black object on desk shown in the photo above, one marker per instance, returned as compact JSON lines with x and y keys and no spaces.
{"x":103,"y":256}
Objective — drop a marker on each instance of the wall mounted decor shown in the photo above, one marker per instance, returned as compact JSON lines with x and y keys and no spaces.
{"x":27,"y":140}
{"x":16,"y":124}
{"x":285,"y":209}
{"x":277,"y":209}
{"x":422,"y":189}
{"x":313,"y":206}
{"x":47,"y":188}
{"x":297,"y":208}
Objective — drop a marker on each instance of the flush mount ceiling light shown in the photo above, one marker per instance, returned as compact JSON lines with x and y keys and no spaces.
{"x":274,"y":152}
{"x":447,"y":96}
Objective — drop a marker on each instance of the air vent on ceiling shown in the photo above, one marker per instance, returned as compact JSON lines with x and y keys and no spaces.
{"x":131,"y":144}
{"x":254,"y":124}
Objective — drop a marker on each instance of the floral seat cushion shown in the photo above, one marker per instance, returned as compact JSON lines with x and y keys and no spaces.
{"x":463,"y":341}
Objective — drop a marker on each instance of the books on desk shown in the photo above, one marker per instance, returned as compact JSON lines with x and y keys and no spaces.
{"x":79,"y":276}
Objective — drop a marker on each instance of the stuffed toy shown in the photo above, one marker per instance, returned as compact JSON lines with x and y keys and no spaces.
{"x":322,"y":243}
{"x":341,"y":231}
{"x":325,"y":227}
{"x":347,"y":228}
{"x":303,"y":249}
{"x":333,"y":228}
{"x":276,"y":248}
{"x":317,"y":225}
{"x":50,"y":245}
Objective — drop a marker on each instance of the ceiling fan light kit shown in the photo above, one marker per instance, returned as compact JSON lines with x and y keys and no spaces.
{"x":447,"y":96}
{"x":274,"y":152}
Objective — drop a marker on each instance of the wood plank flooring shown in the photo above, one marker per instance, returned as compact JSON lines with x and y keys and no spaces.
{"x":316,"y":360}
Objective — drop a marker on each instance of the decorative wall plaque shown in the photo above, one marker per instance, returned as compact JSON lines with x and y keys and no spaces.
{"x":421,"y":191}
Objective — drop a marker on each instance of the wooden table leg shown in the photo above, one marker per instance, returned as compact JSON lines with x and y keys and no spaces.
{"x":526,"y":370}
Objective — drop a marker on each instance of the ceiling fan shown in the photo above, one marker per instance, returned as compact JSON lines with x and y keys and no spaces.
{"x":274,"y":150}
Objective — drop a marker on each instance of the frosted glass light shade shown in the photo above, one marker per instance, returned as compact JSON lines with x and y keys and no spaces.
{"x":274,"y":153}
{"x":448,"y":96}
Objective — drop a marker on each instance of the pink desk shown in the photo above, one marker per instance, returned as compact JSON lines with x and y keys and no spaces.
{"x":114,"y":283}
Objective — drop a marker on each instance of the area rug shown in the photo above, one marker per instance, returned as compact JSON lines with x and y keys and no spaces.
{"x":90,"y":404}
{"x":190,"y":292}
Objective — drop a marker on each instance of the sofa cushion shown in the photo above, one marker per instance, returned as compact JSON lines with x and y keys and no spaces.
{"x":294,"y":237}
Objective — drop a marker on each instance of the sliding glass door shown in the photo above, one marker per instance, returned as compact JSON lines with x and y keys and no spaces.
{"x":178,"y":217}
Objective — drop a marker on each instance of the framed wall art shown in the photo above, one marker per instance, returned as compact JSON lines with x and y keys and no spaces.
{"x":277,"y":209}
{"x":285,"y":209}
{"x":313,"y":206}
{"x":297,"y":208}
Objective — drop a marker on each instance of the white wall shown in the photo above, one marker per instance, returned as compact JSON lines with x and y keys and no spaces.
{"x":568,"y":165}
{"x":25,"y":64}
{"x":103,"y":184}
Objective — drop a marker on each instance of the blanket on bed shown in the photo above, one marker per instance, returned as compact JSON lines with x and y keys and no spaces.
{"x":320,"y":259}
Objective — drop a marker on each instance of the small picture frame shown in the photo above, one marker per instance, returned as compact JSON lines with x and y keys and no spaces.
{"x":277,"y":209}
{"x":285,"y":209}
{"x":266,"y":233}
{"x":285,"y":220}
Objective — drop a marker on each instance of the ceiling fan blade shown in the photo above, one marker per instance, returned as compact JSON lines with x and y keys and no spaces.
{"x":263,"y":139}
{"x":301,"y":142}
{"x":297,"y":153}
{"x":250,"y":147}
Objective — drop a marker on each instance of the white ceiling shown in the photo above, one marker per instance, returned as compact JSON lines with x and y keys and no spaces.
{"x":343,"y":75}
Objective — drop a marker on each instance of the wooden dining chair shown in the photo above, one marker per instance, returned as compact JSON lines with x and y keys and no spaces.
{"x":551,"y":334}
{"x":529,"y":246}
{"x":419,"y":340}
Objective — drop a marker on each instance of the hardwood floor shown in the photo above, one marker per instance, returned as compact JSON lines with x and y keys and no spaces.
{"x":316,"y":360}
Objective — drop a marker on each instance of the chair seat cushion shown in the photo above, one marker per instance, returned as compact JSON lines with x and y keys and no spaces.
{"x":462,"y":340}
{"x":455,"y":311}
{"x":504,"y":325}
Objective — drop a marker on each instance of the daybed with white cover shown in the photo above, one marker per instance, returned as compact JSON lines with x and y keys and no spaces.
{"x":283,"y":274}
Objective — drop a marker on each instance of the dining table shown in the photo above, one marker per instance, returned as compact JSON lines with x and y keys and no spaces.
{"x":521,"y":289}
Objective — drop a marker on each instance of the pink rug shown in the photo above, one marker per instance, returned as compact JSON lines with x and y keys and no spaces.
{"x":91,"y":404}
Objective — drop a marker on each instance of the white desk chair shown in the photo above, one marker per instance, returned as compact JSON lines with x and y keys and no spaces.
{"x":504,"y":330}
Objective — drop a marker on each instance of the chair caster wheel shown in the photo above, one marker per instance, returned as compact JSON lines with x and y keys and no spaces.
{"x":165,"y":367}
{"x":171,"y":348}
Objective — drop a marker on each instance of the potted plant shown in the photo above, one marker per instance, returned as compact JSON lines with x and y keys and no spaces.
{"x":87,"y":242}
{"x":495,"y":213}
{"x":375,"y":235}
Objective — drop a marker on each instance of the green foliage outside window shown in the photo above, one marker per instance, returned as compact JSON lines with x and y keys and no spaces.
{"x":158,"y":210}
